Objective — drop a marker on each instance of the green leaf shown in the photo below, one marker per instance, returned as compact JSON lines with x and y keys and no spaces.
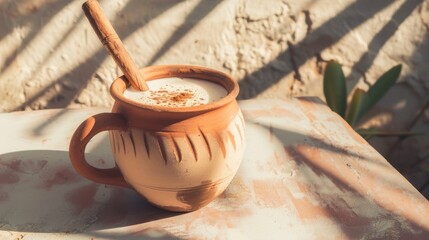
{"x":355,"y":108}
{"x":334,"y":88}
{"x":380,"y":87}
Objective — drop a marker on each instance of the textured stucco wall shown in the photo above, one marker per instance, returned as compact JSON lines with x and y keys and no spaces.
{"x":50,"y":57}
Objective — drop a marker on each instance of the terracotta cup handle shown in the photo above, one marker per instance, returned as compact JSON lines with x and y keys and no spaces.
{"x":83,"y":134}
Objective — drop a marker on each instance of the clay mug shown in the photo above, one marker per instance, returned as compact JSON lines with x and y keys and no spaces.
{"x":179,"y":159}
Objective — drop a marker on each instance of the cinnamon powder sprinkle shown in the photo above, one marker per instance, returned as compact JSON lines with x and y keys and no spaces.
{"x":182,"y":98}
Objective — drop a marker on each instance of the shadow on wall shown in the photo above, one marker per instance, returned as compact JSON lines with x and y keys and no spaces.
{"x":21,"y":15}
{"x":324,"y":37}
{"x":316,"y":41}
{"x":67,"y":87}
{"x":86,"y":71}
{"x":72,"y":86}
{"x":410,"y":154}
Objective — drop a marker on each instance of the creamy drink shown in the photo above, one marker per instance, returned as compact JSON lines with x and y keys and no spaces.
{"x":177,"y":92}
{"x":181,"y":151}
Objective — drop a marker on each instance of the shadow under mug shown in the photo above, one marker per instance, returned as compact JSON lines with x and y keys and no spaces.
{"x":179,"y":159}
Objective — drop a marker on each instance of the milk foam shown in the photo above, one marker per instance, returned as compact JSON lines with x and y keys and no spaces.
{"x":177,"y":92}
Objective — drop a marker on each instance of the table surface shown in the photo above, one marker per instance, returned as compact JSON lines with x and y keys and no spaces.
{"x":305,"y":175}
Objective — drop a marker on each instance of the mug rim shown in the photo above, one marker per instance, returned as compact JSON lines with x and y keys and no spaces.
{"x":178,"y":70}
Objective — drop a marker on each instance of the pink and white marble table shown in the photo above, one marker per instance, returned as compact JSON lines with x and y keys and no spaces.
{"x":305,"y":175}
